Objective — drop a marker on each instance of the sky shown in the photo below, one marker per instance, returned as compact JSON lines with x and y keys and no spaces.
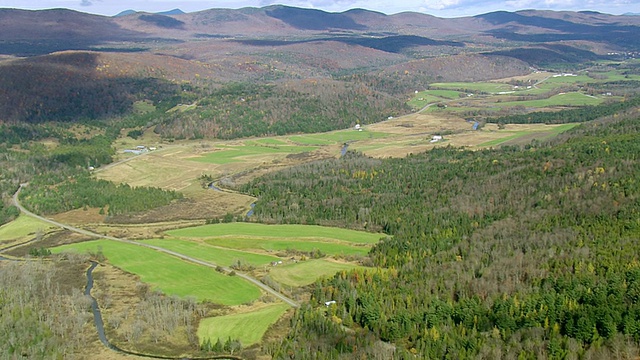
{"x":441,"y":8}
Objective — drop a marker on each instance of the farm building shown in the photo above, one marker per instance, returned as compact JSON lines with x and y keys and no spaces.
{"x":436,"y":138}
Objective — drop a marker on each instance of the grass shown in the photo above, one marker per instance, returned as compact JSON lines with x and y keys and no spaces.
{"x":486,"y":87}
{"x":249,"y":328}
{"x":270,"y":141}
{"x":337,"y":137}
{"x":423,"y":98}
{"x":171,"y":275}
{"x":143,"y":107}
{"x":242,"y":229}
{"x":329,"y":248}
{"x":182,"y":108}
{"x":21,"y":227}
{"x":235,"y":154}
{"x":306,"y":272}
{"x":218,"y":256}
{"x":545,"y":133}
{"x":567,"y":99}
{"x":310,"y":140}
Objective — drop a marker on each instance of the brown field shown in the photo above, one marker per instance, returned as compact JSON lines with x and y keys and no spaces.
{"x":535,"y":76}
{"x":413,"y":133}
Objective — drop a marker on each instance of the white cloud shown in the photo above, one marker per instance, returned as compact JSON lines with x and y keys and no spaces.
{"x":441,"y":4}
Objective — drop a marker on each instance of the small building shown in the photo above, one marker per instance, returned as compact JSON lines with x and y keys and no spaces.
{"x":436,"y":138}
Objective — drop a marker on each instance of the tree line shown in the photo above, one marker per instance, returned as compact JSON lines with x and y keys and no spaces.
{"x":516,"y":252}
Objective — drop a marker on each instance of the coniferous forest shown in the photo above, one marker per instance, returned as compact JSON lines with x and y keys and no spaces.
{"x":519,"y":252}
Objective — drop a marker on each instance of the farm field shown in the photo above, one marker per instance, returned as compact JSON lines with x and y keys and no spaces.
{"x":306,"y":272}
{"x":216,"y":255}
{"x":237,"y":153}
{"x":530,"y":135}
{"x":247,"y":327}
{"x":169,"y":274}
{"x":295,"y":245}
{"x":564,"y":99}
{"x":338,"y":137}
{"x":485,"y":87}
{"x":254,"y":230}
{"x":22,"y":227}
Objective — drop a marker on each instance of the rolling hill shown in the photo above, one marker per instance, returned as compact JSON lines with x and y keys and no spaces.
{"x":103,"y":65}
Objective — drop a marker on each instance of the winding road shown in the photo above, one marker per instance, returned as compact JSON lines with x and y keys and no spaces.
{"x":251,"y":279}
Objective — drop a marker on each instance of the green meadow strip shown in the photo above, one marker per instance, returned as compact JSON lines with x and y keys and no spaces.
{"x":216,"y":255}
{"x":306,"y":272}
{"x":248,"y":328}
{"x":234,"y":154}
{"x":242,"y":229}
{"x":22,"y":226}
{"x":169,"y":274}
{"x":328,"y":248}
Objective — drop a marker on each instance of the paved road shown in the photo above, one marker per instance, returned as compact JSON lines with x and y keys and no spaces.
{"x":253,"y":280}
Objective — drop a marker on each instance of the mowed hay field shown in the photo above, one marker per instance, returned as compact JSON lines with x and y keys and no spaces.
{"x":22,"y":228}
{"x":278,"y":231}
{"x":248,"y":327}
{"x":169,"y":274}
{"x":413,"y":134}
{"x":274,"y":239}
{"x":307,"y":272}
{"x":213,"y":254}
{"x":256,"y":243}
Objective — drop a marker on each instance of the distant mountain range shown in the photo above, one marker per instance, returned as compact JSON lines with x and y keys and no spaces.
{"x":103,"y":64}
{"x":38,"y":32}
{"x":169,"y":12}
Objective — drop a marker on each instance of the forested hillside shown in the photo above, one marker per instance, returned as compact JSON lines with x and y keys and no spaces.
{"x":515,"y":252}
{"x":307,"y":106}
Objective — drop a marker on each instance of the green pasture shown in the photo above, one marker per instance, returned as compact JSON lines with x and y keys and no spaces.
{"x":235,"y":154}
{"x":423,"y":98}
{"x":306,"y":272}
{"x":310,"y":140}
{"x":182,"y":108}
{"x":216,"y":255}
{"x":329,"y":248}
{"x":143,"y":106}
{"x":249,"y":327}
{"x":566,"y":99}
{"x":545,"y":133}
{"x":244,"y":229}
{"x":337,"y":137}
{"x":452,"y":108}
{"x":486,"y":87}
{"x":22,"y":226}
{"x":616,"y":76}
{"x":422,"y":101}
{"x":447,"y":94}
{"x":170,"y":274}
{"x":267,"y":141}
{"x":568,"y":79}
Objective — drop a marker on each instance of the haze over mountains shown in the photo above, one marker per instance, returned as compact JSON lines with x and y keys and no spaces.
{"x":67,"y":29}
{"x":388,"y":56}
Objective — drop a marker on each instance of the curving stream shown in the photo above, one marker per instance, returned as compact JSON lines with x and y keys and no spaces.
{"x":97,"y":319}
